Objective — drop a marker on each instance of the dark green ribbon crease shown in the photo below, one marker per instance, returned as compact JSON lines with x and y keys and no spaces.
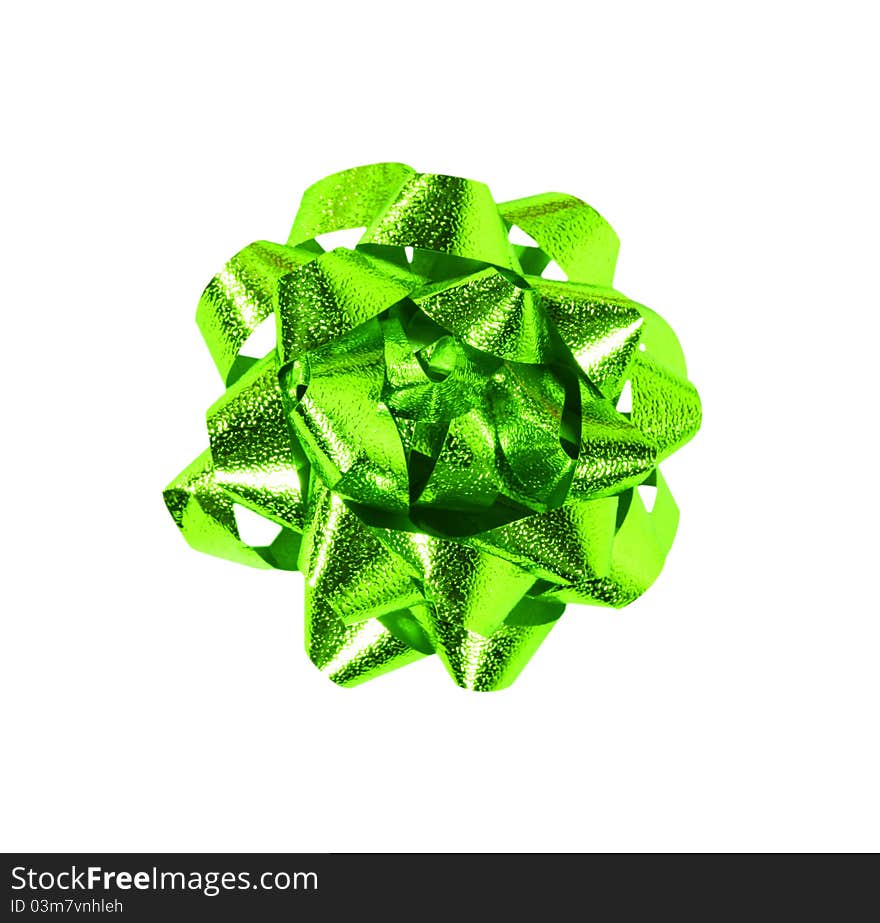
{"x":439,"y":433}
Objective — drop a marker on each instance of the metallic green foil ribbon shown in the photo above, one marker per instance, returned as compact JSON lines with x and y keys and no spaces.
{"x":437,"y":431}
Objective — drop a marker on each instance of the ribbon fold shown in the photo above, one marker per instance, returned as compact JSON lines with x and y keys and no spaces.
{"x":438,"y":433}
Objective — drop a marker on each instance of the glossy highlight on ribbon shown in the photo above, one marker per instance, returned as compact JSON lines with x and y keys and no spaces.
{"x":440,"y":433}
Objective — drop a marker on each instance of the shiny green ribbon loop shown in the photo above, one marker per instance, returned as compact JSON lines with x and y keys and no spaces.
{"x":439,"y":435}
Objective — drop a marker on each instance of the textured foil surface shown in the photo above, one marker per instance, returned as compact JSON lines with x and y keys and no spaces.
{"x":436,"y":432}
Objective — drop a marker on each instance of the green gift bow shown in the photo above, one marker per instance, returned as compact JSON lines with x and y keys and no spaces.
{"x":436,"y":432}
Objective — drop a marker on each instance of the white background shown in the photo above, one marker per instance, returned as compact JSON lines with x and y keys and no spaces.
{"x":158,"y":699}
